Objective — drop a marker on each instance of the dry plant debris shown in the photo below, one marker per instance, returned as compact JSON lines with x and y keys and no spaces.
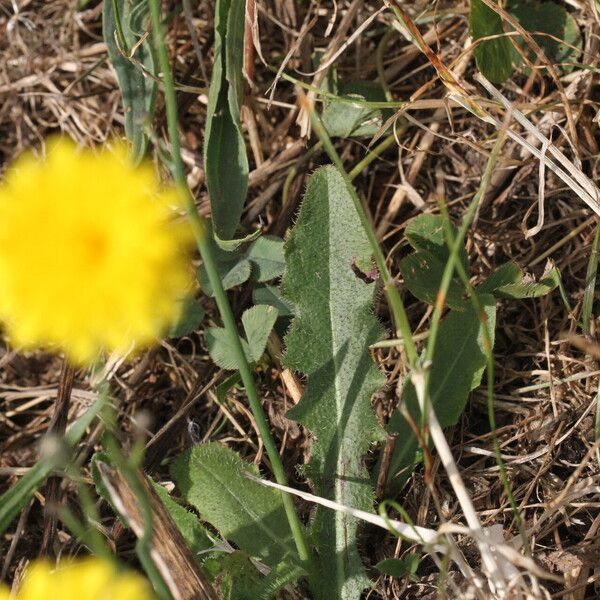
{"x":432,"y":144}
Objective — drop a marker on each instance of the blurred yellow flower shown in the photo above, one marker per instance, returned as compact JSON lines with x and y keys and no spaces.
{"x":83,"y":579}
{"x":90,"y":259}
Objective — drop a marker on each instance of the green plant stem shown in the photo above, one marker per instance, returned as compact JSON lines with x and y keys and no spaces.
{"x":376,"y":152}
{"x":396,"y":305}
{"x":454,"y":245}
{"x":453,"y":260}
{"x":203,"y":234}
{"x":590,"y":284}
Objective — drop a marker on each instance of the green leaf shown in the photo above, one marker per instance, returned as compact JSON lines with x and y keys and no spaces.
{"x":213,"y":479}
{"x":238,"y":579}
{"x":551,"y":19}
{"x":191,"y":315}
{"x":281,"y":575}
{"x":266,"y":256}
{"x":587,"y":306}
{"x":528,"y":288}
{"x":233,"y":268}
{"x":345,"y":120}
{"x":137,"y":90}
{"x":399,"y":567}
{"x":187,"y":522}
{"x":234,"y":54}
{"x":458,"y":364}
{"x":222,"y":349}
{"x":493,"y":57}
{"x":270,"y":294}
{"x":426,"y":233}
{"x":504,"y":275}
{"x":225,"y":159}
{"x":423,"y":270}
{"x":263,"y":259}
{"x":329,"y":341}
{"x":422,"y":274}
{"x":258,"y":323}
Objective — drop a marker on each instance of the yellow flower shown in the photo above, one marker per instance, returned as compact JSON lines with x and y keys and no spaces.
{"x":90,"y":259}
{"x":83,"y":579}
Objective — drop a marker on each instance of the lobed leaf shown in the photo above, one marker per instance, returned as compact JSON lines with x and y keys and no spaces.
{"x":329,"y":341}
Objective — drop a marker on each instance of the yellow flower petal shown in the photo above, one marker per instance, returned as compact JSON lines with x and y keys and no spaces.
{"x":83,"y":579}
{"x":90,"y":258}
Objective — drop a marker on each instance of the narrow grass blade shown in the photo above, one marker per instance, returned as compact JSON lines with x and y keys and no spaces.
{"x":14,"y":499}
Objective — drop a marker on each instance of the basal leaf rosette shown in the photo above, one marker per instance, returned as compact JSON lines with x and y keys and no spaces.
{"x":83,"y":579}
{"x":91,"y":259}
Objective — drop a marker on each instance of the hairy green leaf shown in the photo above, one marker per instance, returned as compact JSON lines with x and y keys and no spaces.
{"x":329,"y":341}
{"x":187,"y":522}
{"x":458,"y":364}
{"x":238,"y":579}
{"x":213,"y":479}
{"x":225,"y":159}
{"x":137,"y":90}
{"x":494,"y":56}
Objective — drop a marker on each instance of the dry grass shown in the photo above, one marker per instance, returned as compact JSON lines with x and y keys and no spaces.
{"x":55,"y":77}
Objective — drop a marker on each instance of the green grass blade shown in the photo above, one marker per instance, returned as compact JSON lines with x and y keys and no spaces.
{"x":14,"y":499}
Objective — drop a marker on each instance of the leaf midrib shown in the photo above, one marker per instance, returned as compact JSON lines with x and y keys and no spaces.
{"x":289,"y":551}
